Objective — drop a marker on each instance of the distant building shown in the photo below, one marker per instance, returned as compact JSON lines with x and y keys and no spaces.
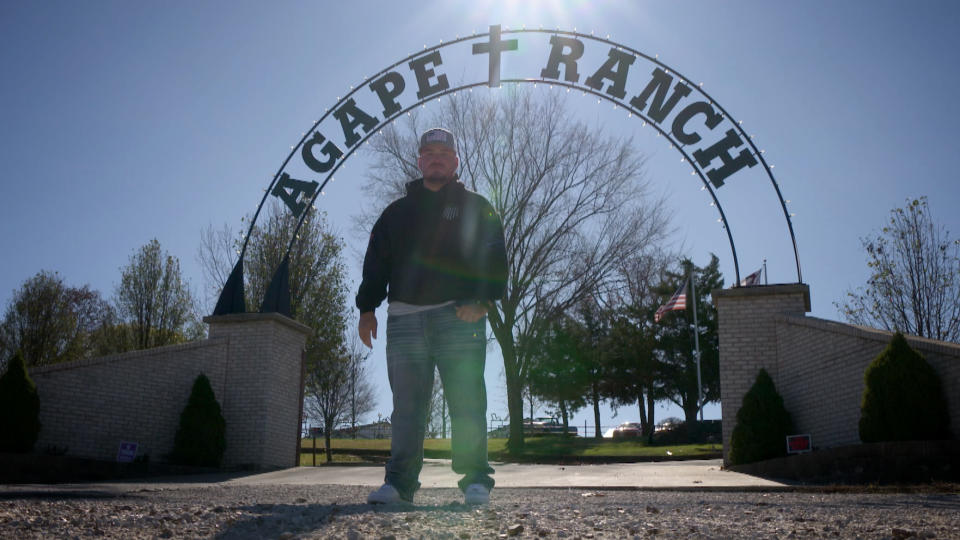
{"x":376,"y":430}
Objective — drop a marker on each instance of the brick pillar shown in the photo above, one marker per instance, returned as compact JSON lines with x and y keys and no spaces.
{"x":261,"y":399}
{"x":748,"y":340}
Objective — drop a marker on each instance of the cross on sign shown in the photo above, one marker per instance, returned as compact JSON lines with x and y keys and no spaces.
{"x":494,"y":47}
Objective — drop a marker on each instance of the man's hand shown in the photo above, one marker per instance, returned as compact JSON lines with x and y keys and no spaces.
{"x":471,"y":312}
{"x":367,"y":328}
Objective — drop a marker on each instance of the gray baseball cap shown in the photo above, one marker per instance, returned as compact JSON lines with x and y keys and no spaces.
{"x":438,"y":136}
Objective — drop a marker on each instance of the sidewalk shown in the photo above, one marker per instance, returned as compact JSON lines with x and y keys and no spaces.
{"x":437,"y":474}
{"x":668,"y":475}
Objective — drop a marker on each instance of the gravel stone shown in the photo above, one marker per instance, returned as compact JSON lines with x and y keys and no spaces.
{"x":326,"y":511}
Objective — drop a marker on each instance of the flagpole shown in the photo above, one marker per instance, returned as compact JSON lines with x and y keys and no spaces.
{"x":696,"y":341}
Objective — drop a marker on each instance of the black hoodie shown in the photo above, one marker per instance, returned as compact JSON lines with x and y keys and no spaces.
{"x":432,"y":247}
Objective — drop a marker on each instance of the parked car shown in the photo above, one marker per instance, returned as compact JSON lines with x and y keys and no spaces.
{"x":668,"y":424}
{"x":628,"y":430}
{"x":707,"y":431}
{"x":544,"y":426}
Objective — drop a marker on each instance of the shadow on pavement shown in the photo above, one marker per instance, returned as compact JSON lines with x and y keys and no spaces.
{"x":273,"y":520}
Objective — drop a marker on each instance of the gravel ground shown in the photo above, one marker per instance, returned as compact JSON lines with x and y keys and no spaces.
{"x":325,"y":511}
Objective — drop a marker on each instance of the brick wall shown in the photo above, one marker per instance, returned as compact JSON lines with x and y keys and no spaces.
{"x":746,"y":318}
{"x":821,"y":374}
{"x":89,"y":406}
{"x":264,"y":401}
{"x":817,"y":365}
{"x":253,"y":362}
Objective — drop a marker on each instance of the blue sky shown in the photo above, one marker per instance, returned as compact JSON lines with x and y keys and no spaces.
{"x":126,"y":121}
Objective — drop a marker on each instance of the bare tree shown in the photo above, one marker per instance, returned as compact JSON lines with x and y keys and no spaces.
{"x":914,"y":285}
{"x":631,"y":369}
{"x":438,"y":415}
{"x":154,"y":300}
{"x":216,"y":255}
{"x":528,"y":393}
{"x":326,"y":398}
{"x":318,"y":283}
{"x":51,"y":322}
{"x":573,"y":204}
{"x":361,"y":393}
{"x":336,"y":390}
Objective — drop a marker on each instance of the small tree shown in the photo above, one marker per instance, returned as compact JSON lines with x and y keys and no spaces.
{"x":19,"y":408}
{"x":675,"y":348}
{"x":336,"y":389}
{"x":902,"y":399}
{"x":201,"y":438}
{"x":762,"y":424}
{"x":632,"y":370}
{"x":154,"y":300}
{"x":914,"y":283}
{"x":559,"y":372}
{"x":50,"y":322}
{"x":361,"y":393}
{"x":438,"y":415}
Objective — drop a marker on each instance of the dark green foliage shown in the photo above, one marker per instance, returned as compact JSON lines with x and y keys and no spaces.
{"x":698,"y":432}
{"x":19,"y":408}
{"x":560,"y":367}
{"x":677,"y":364}
{"x":50,"y":322}
{"x":762,"y":424}
{"x":903,"y":399}
{"x":201,"y":438}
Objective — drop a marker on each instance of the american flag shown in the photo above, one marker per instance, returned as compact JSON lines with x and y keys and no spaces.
{"x":677,"y":302}
{"x":752,"y":279}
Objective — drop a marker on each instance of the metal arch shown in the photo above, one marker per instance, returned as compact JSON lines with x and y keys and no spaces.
{"x":698,"y":88}
{"x":359,"y":143}
{"x":655,"y":60}
{"x":647,"y":120}
{"x":293,"y":150}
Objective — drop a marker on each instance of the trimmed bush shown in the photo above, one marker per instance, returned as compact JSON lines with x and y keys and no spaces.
{"x":762,"y":424}
{"x":19,"y":408}
{"x":201,"y":438}
{"x":902,"y":399}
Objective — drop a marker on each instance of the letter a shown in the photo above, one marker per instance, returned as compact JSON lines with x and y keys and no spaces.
{"x":615,"y":69}
{"x":300,"y":192}
{"x":359,"y":119}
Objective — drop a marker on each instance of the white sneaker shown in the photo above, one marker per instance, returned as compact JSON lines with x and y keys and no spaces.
{"x":476,"y":494}
{"x":385,"y":494}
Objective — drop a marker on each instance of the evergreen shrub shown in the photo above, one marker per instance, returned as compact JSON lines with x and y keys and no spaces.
{"x":201,"y":438}
{"x":763,"y":424}
{"x":902,"y":399}
{"x":19,"y":408}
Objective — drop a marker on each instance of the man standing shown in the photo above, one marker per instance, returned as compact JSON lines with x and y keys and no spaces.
{"x":438,"y":255}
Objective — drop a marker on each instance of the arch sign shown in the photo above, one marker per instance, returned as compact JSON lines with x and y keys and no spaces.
{"x":714,"y":145}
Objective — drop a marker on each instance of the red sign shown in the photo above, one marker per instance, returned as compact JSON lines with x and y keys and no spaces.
{"x":798,"y":444}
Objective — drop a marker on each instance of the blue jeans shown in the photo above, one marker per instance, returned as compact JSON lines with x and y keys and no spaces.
{"x":417,"y":344}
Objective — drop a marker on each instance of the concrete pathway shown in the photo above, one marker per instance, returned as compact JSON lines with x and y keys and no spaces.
{"x":669,"y":476}
{"x":437,"y":473}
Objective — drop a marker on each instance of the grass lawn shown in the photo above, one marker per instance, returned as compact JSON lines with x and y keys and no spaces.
{"x":546,"y":448}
